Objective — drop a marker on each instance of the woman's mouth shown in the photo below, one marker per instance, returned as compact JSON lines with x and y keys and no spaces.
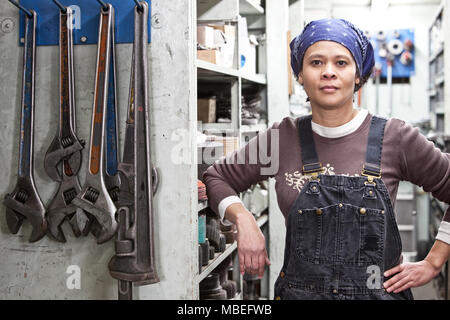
{"x":329,"y":89}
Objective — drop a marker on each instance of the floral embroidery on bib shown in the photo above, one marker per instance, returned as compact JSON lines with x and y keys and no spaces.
{"x":297,"y":180}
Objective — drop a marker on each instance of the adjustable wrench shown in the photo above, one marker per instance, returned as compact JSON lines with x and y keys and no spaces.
{"x":111,"y":175}
{"x":61,"y":207}
{"x":24,"y":202}
{"x":66,"y":144}
{"x":134,"y":258}
{"x":94,"y":197}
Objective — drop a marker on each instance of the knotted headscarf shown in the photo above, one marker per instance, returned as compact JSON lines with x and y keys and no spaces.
{"x":337,"y":30}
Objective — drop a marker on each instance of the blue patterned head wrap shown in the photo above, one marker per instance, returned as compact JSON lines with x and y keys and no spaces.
{"x":337,"y":30}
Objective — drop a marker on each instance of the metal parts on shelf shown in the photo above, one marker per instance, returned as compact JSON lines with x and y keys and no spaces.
{"x":217,"y":285}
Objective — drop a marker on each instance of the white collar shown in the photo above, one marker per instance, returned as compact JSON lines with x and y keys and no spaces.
{"x":343,"y":130}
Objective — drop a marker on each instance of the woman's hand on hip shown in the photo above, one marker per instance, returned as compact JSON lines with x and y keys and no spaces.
{"x":408,"y":275}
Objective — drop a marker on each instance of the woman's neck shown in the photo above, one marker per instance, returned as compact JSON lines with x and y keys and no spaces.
{"x":334,"y":117}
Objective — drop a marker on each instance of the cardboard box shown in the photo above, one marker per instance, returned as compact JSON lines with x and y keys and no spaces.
{"x":206,"y":110}
{"x":228,"y":57}
{"x":205,"y":36}
{"x":211,"y":56}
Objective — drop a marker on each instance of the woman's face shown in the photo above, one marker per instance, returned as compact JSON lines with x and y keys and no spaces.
{"x":329,"y":75}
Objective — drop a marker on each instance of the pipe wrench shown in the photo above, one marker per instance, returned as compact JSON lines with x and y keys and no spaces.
{"x":134,"y":258}
{"x":101,"y":187}
{"x":60,"y":207}
{"x":24,"y":202}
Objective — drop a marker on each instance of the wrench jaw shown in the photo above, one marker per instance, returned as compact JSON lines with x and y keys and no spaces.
{"x":14,"y":220}
{"x":57,"y":152}
{"x":24,"y":203}
{"x":93,"y":226}
{"x":126,"y":265}
{"x":100,"y":209}
{"x":61,"y":209}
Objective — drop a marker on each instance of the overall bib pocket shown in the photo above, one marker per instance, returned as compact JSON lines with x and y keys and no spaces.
{"x":361,"y":235}
{"x":315,"y":240}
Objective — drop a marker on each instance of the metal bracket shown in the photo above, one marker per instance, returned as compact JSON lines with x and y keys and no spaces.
{"x":86,"y":17}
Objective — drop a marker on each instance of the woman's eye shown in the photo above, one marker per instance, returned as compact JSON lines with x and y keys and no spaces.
{"x":341,"y":63}
{"x":315,"y":62}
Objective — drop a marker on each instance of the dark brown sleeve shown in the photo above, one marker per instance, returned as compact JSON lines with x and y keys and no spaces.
{"x":425,"y":165}
{"x":252,"y":163}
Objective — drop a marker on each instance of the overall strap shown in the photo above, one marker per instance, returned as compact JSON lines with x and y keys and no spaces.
{"x":372,"y":167}
{"x":311,"y":164}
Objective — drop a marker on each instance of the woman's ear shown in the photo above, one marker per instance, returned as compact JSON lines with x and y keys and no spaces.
{"x":357,"y":81}
{"x":300,"y":78}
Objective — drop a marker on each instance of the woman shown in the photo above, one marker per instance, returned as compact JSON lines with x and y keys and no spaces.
{"x":338,"y":171}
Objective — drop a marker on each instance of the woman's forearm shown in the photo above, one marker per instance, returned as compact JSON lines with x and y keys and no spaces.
{"x":439,"y":254}
{"x":236,"y":212}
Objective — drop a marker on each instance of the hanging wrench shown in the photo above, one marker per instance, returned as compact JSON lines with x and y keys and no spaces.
{"x":61,"y":207}
{"x":94,"y":197}
{"x":111,"y":176}
{"x":24,"y":202}
{"x":134,"y":259}
{"x":65,"y":145}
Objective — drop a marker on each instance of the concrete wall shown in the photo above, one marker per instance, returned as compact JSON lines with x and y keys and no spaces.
{"x":38,"y":270}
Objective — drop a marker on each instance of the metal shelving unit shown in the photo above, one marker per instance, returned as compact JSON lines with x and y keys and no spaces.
{"x":439,"y":62}
{"x":234,"y":79}
{"x":220,"y":256}
{"x":250,"y":7}
{"x":439,"y":88}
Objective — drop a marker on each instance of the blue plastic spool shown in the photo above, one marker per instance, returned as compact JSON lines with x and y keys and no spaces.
{"x":201,"y":228}
{"x":86,"y":21}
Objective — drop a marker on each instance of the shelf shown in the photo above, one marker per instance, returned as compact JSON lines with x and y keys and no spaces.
{"x":255,"y":78}
{"x":253,"y":127}
{"x":210,"y":71}
{"x":405,"y":227}
{"x":404,"y":197}
{"x":439,"y":111}
{"x":262,"y":220}
{"x":218,"y":258}
{"x":202,"y":205}
{"x":250,"y":7}
{"x":213,"y":72}
{"x":435,"y":55}
{"x":217,"y":126}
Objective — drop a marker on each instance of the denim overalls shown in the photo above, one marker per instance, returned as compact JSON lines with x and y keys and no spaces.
{"x":341,"y":231}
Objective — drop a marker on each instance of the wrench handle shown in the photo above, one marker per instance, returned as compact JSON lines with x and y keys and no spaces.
{"x":101,"y":83}
{"x":66,"y":77}
{"x":27,"y":105}
{"x":111,"y":115}
{"x":128,"y":147}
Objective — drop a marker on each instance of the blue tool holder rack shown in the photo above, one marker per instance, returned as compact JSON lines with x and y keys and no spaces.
{"x":399,"y":70}
{"x":86,"y":21}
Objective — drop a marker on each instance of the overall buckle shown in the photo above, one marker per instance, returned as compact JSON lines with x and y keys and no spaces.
{"x":371,"y":175}
{"x":313,"y":169}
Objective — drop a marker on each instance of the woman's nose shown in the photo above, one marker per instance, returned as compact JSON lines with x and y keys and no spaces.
{"x":328,"y":71}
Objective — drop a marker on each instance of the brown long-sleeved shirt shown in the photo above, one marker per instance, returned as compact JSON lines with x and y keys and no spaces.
{"x":407,"y":155}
